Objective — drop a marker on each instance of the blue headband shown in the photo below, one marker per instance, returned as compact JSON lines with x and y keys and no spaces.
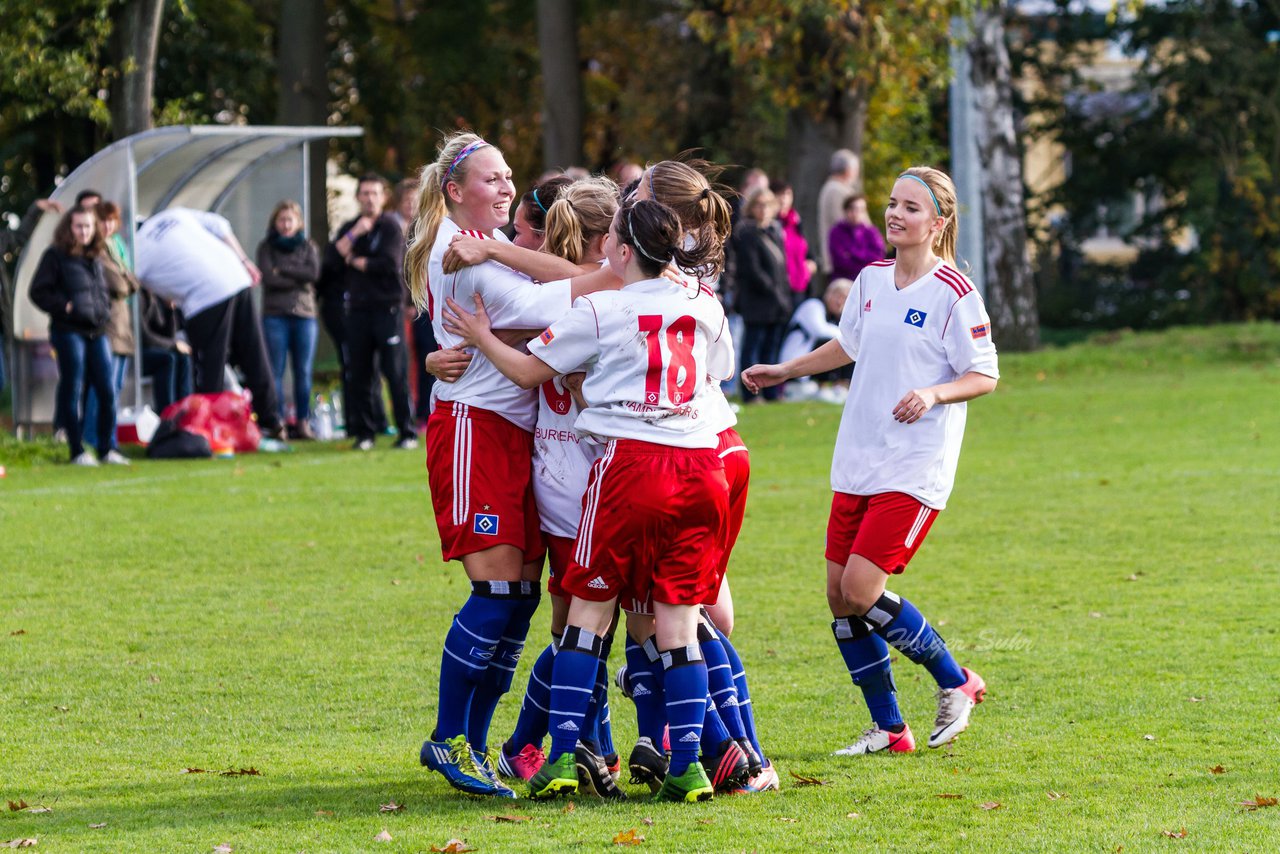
{"x":537,"y":201}
{"x":924,"y":184}
{"x":461,"y":156}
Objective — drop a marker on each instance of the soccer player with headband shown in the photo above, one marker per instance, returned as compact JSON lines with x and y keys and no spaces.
{"x":921,"y":338}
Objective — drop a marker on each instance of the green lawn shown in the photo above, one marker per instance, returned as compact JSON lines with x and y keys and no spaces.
{"x":1109,"y":564}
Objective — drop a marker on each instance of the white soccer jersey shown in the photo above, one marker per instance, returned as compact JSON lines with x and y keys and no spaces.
{"x":561,"y":461}
{"x":808,"y":326}
{"x":933,"y":331}
{"x":648,"y":351}
{"x":719,"y":411}
{"x":513,"y":301}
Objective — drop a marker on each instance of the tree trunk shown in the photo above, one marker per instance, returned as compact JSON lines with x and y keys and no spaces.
{"x":810,"y":143}
{"x":561,"y":84}
{"x":134,"y":43}
{"x":304,"y":93}
{"x":1011,"y":294}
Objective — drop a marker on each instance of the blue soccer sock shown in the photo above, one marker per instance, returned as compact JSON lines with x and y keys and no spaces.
{"x":897,"y":621}
{"x":572,"y":683}
{"x":685,"y":680}
{"x":745,"y":710}
{"x":468,"y":647}
{"x":714,"y":731}
{"x":644,"y":672}
{"x":502,"y":667}
{"x":866,"y":656}
{"x":724,"y":693}
{"x":531,"y":725}
{"x":596,"y":731}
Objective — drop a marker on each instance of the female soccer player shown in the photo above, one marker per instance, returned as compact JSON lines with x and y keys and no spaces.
{"x":479,"y":450}
{"x":657,"y":500}
{"x":922,"y":340}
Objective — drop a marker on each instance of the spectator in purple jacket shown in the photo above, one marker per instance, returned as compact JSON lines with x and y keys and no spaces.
{"x":854,"y":242}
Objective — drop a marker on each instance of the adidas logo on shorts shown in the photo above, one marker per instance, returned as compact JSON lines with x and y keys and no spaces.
{"x":568,"y":726}
{"x":690,"y":736}
{"x":638,"y":690}
{"x":598,"y":583}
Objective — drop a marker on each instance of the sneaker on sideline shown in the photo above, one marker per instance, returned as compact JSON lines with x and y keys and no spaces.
{"x":115,"y":458}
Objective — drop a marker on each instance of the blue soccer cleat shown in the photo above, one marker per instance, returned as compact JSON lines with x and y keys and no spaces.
{"x":454,"y":759}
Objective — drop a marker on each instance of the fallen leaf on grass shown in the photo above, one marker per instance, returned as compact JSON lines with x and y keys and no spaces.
{"x":193,"y":771}
{"x":1095,"y":614}
{"x":224,"y":848}
{"x":17,"y":806}
{"x":1195,"y":699}
{"x":324,"y":812}
{"x":569,"y":807}
{"x":395,"y":582}
{"x":1148,"y":737}
{"x":1217,"y":769}
{"x":706,"y":821}
{"x":19,"y":843}
{"x":98,"y":826}
{"x":1258,"y":802}
{"x":61,"y":708}
{"x":852,"y":815}
{"x":949,"y":795}
{"x":508,"y":818}
{"x":242,"y":772}
{"x":18,"y":632}
{"x":39,"y":808}
{"x":153,"y":679}
{"x":385,"y":837}
{"x":628,"y":837}
{"x":1175,"y":834}
{"x":990,"y":805}
{"x":647,"y":821}
{"x":787,"y":820}
{"x":1055,"y":796}
{"x":802,"y":780}
{"x":390,"y":807}
{"x":453,"y":846}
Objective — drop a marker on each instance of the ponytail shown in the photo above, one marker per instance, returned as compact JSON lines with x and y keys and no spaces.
{"x":564,"y":237}
{"x":433,"y":207}
{"x":706,"y":215}
{"x":653,"y":230}
{"x":584,"y":210}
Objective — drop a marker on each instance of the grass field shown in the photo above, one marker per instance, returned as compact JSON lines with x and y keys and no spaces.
{"x":1109,"y":564}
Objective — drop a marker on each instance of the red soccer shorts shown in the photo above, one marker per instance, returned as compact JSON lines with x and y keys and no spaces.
{"x":886,"y":529}
{"x":479,"y":467}
{"x":737,"y":471}
{"x":559,"y":555}
{"x":653,"y":523}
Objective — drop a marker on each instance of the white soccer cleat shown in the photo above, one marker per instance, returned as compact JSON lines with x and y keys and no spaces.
{"x":874,"y":740}
{"x":954,"y":707}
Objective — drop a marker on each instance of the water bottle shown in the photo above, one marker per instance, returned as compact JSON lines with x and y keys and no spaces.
{"x":323,"y":415}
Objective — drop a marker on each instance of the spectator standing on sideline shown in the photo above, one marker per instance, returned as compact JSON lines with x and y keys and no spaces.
{"x":193,"y":258}
{"x":121,"y":285}
{"x":854,"y":242}
{"x":800,"y":267}
{"x":845,"y":178}
{"x":372,"y":248}
{"x":11,"y":242}
{"x":69,"y":285}
{"x":762,"y":289}
{"x":290,"y":265}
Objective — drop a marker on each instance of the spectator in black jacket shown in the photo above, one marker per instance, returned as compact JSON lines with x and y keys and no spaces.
{"x":290,"y":265}
{"x":371,"y":248}
{"x":762,"y":287}
{"x":166,"y":355}
{"x":70,"y":286}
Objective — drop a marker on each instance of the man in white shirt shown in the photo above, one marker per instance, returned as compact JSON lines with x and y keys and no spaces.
{"x":193,"y":258}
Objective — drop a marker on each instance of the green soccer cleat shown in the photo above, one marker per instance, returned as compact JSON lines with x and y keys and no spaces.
{"x":558,"y":777}
{"x":693,"y":785}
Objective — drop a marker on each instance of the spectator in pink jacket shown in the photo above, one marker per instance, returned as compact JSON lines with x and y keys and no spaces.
{"x":800,"y":267}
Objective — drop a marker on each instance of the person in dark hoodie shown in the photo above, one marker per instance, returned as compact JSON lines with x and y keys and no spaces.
{"x":371,"y":250}
{"x":290,"y":265}
{"x":71,"y":287}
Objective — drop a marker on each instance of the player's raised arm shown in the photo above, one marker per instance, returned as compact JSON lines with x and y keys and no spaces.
{"x":524,"y":370}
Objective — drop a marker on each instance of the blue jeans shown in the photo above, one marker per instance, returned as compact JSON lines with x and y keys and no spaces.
{"x":119,"y":370}
{"x":80,"y":358}
{"x":760,"y":345}
{"x":170,"y":373}
{"x":294,"y":338}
